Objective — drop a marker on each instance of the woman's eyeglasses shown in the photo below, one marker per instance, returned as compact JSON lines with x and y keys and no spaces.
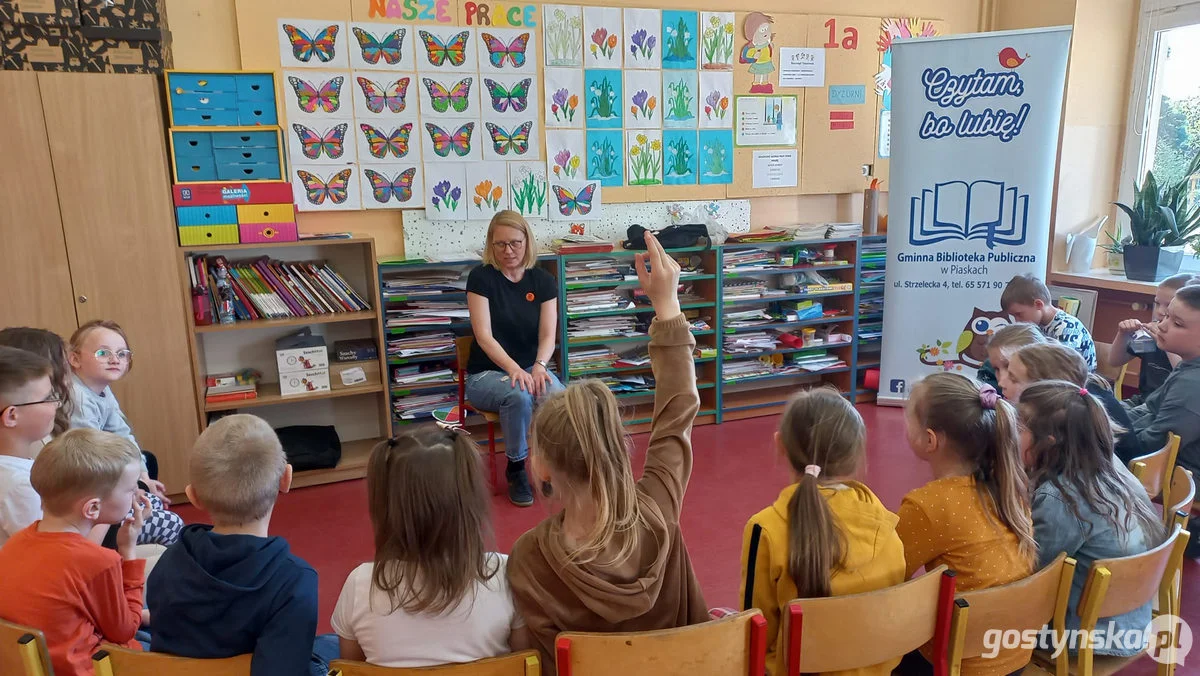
{"x":514,"y":245}
{"x":121,"y":355}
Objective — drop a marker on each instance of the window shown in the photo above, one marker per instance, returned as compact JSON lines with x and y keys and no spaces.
{"x":1164,"y":114}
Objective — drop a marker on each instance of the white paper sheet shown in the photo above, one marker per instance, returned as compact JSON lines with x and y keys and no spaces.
{"x":801,"y":67}
{"x":775,"y":169}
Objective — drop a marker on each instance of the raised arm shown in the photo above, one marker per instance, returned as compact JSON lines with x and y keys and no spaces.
{"x":1118,"y":352}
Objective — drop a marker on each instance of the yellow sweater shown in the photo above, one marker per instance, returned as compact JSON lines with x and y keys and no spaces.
{"x":874,"y":559}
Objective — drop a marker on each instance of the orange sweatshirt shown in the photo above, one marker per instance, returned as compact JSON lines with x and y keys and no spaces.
{"x":74,"y":590}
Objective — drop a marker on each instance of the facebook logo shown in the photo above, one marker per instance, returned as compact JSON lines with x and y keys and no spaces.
{"x":898,"y":386}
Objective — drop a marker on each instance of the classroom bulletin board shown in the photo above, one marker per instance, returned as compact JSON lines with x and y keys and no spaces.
{"x":837,"y":125}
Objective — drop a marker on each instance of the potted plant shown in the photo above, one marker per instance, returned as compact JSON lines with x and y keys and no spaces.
{"x":1115,"y":248}
{"x":1162,"y":223}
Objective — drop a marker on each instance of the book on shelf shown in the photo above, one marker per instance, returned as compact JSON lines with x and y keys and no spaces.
{"x":262,"y":288}
{"x":220,"y":387}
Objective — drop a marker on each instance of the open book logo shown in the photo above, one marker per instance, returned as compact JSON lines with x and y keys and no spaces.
{"x":986,"y":210}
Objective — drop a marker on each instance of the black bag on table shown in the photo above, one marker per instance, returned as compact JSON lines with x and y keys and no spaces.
{"x":311,"y":446}
{"x":671,"y":237}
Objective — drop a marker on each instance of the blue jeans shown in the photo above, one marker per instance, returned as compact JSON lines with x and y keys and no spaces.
{"x":492,"y":391}
{"x":325,"y":649}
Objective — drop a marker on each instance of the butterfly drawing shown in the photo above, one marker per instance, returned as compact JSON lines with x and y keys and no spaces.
{"x":459,"y":141}
{"x":313,"y":144}
{"x":438,"y":53}
{"x":498,"y":51}
{"x":388,"y":48}
{"x":503,"y":141}
{"x":383,"y":188}
{"x":325,"y":98}
{"x":503,"y":98}
{"x":390,"y":96}
{"x":316,"y":190}
{"x":458,"y":96}
{"x":321,"y":45}
{"x":569,"y":203}
{"x":381,"y":144}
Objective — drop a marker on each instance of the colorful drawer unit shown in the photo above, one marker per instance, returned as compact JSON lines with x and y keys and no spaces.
{"x":206,"y":235}
{"x":230,"y":99}
{"x":260,"y":223}
{"x":234,"y":155}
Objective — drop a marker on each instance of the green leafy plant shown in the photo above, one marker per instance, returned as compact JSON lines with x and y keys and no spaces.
{"x":1117,"y":241}
{"x":717,"y":44}
{"x":679,"y":42}
{"x":680,"y":102}
{"x":1163,"y":216}
{"x":530,"y":194}
{"x":603,"y":160}
{"x":602,"y":102}
{"x":714,"y":158}
{"x":564,"y":38}
{"x":680,"y":157}
{"x":645,"y":161}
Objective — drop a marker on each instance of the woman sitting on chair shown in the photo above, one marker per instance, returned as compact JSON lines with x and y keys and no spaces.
{"x":514,"y":315}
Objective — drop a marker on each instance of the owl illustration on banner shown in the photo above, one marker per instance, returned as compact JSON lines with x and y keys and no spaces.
{"x":972,"y":342}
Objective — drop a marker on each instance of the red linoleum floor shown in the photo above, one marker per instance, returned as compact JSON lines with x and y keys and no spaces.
{"x":736,"y":473}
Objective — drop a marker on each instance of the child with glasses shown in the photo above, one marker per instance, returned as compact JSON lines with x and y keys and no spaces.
{"x":27,"y":407}
{"x":100,"y":356}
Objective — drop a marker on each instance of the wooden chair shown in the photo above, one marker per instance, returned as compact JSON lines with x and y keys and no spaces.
{"x":1183,"y":499}
{"x":1119,"y":385}
{"x":112,"y":660}
{"x":23,"y":651}
{"x":1031,"y":603}
{"x":1117,"y":586}
{"x":839,"y":633}
{"x":524,"y":663}
{"x":731,"y":646}
{"x":462,"y":347}
{"x":1154,"y":469}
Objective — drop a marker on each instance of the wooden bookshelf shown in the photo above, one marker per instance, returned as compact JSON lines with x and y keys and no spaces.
{"x":268,"y":395}
{"x":290,"y":321}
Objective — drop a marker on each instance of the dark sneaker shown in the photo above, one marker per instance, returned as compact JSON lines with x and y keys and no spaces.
{"x":520,"y":493}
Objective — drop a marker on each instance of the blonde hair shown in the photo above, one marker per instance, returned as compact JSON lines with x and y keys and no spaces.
{"x":986,"y":440}
{"x":1177,"y":282}
{"x":235,"y":468}
{"x":819,"y":427}
{"x":511,"y":219}
{"x":80,"y":463}
{"x":428,"y":501}
{"x":1024,"y":290}
{"x":81,"y":334}
{"x":578,"y":433}
{"x":1008,"y":339}
{"x":1055,"y":361}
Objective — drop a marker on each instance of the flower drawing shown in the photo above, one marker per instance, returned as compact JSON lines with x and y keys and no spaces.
{"x":603,"y":43}
{"x":680,"y":158}
{"x":445,"y":196}
{"x":529,"y":195}
{"x":563,"y":35}
{"x":603,"y":160}
{"x":645,"y":161}
{"x":603,"y":102}
{"x":678,"y":42}
{"x":487,"y":196}
{"x":714,"y":158}
{"x":643,"y":104}
{"x":716,"y":43}
{"x":716,"y":105}
{"x":566,"y":164}
{"x":643,"y":44}
{"x":680,"y":102}
{"x":563,"y":105}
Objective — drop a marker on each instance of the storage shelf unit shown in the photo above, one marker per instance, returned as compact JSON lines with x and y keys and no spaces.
{"x":870,"y":311}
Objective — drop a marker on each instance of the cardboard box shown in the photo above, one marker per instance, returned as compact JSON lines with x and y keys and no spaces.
{"x":145,"y":16}
{"x":214,"y":194}
{"x":40,"y":12}
{"x":123,"y":56}
{"x":304,"y":382}
{"x":44,"y":48}
{"x":343,"y":374}
{"x":302,"y":359}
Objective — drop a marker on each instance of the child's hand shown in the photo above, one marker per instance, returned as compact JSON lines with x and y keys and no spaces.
{"x":658,"y":274}
{"x":131,"y":527}
{"x":145,"y":617}
{"x":157,"y":488}
{"x":1130,"y":326}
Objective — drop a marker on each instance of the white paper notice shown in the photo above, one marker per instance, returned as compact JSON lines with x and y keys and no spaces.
{"x":885,"y":134}
{"x":775,"y":168}
{"x":801,"y":67}
{"x":765,"y":120}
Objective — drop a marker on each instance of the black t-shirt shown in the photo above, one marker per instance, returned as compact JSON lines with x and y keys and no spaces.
{"x":1156,"y":366}
{"x":1125,"y":445}
{"x":515,"y":310}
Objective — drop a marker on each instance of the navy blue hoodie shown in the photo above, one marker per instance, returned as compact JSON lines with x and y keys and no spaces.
{"x":213,"y":596}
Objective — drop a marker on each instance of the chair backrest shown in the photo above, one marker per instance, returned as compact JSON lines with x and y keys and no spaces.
{"x":1030,"y":603}
{"x":23,"y":651}
{"x":524,"y":663}
{"x":1183,"y":497}
{"x":839,"y":633}
{"x":113,"y":660}
{"x":1117,"y":586}
{"x":1155,"y":475}
{"x":731,"y":646}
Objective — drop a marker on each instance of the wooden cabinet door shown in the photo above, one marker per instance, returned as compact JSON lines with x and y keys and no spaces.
{"x":108,"y":146}
{"x":35,"y":282}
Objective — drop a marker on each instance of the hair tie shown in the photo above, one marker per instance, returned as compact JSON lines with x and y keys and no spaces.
{"x":988,"y":396}
{"x":1083,"y":392}
{"x":812,"y":470}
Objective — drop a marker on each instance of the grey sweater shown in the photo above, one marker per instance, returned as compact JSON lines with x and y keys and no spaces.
{"x":1174,"y":407}
{"x":98,"y":411}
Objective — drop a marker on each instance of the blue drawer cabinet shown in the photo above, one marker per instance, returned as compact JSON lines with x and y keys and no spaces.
{"x":246,"y":155}
{"x":256,"y":87}
{"x":221,"y":99}
{"x":218,"y":215}
{"x":252,"y":113}
{"x":204,"y":100}
{"x":246,"y":171}
{"x":205,"y":117}
{"x":195,"y":168}
{"x":245,"y":139}
{"x":192,"y":143}
{"x":179,"y":82}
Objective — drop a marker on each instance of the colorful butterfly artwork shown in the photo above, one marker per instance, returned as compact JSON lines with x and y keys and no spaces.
{"x":392,"y":96}
{"x":503,"y":98}
{"x":569,"y":204}
{"x":381,"y":144}
{"x":373,"y":49}
{"x":317,"y":190}
{"x":384,"y":189}
{"x":313,"y":144}
{"x":459,"y":142}
{"x":498,"y":52}
{"x":453,"y":52}
{"x":457,"y":97}
{"x":321,"y":45}
{"x":503,"y":141}
{"x":326,"y":98}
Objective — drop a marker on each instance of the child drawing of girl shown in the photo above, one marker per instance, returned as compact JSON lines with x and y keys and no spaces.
{"x":759,"y":52}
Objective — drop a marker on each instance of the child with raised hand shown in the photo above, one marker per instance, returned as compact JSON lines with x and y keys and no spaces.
{"x":974,"y":516}
{"x":1052,"y":361}
{"x":99,"y":357}
{"x":434,"y":593}
{"x":1027,"y":299}
{"x":1156,"y":364}
{"x":1085,"y":502}
{"x":1000,"y":347}
{"x":613,"y":557}
{"x":77,"y":592}
{"x":826,"y":534}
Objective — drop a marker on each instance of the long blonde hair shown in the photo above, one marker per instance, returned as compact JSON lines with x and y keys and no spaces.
{"x":516,"y":221}
{"x":578,"y":433}
{"x":986,"y":438}
{"x":1008,"y":339}
{"x":819,"y":427}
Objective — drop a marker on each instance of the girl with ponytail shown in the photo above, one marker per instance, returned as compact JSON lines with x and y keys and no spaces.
{"x":612,"y":558}
{"x":974,"y":516}
{"x":826,"y":535}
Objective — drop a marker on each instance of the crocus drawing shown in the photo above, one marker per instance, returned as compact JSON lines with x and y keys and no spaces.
{"x":566,"y":164}
{"x":716,"y":105}
{"x":487,"y":196}
{"x":642,"y":46}
{"x":563,"y":105}
{"x":603,"y":43}
{"x":643,"y":104}
{"x":445,"y":197}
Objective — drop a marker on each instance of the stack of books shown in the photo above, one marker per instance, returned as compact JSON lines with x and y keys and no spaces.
{"x":742,"y":289}
{"x":817,"y":360}
{"x":805,"y":231}
{"x":262,"y":288}
{"x":231,"y":387}
{"x":425,"y":374}
{"x":750,"y":259}
{"x":815,"y":282}
{"x":581,"y":244}
{"x":764,"y":235}
{"x":871,"y":330}
{"x":755,"y":341}
{"x":589,"y":359}
{"x":594,"y":270}
{"x":425,"y":313}
{"x":737,"y":320}
{"x":741,"y":370}
{"x":421,"y":345}
{"x":639,"y":356}
{"x":596,"y":301}
{"x":601,"y":327}
{"x":844,"y":230}
{"x":402,"y":286}
{"x":629,"y":383}
{"x":423,"y":405}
